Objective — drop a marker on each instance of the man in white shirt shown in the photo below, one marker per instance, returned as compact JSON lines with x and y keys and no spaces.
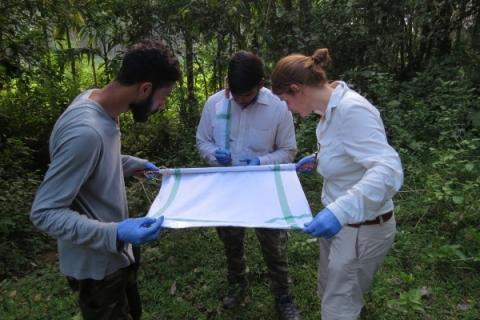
{"x":250,"y":126}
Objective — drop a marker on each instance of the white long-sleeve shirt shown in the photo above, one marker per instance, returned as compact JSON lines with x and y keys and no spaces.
{"x":264,"y":129}
{"x":361,"y":171}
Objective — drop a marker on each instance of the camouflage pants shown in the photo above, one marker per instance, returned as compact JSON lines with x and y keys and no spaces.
{"x":274,"y":249}
{"x":114,"y":297}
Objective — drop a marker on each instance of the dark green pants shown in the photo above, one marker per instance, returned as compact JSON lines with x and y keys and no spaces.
{"x":114,"y":297}
{"x":274,"y":249}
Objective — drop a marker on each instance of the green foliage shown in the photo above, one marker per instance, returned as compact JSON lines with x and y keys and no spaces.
{"x":305,"y":135}
{"x":417,"y":61}
{"x":19,"y":239}
{"x":409,"y":303}
{"x":183,"y":276}
{"x":428,"y":121}
{"x":31,"y":301}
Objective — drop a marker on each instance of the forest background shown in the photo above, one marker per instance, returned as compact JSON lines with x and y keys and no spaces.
{"x":418,"y":61}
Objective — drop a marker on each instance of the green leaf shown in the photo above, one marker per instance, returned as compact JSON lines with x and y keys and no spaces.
{"x":457,"y":199}
{"x":393,"y":104}
{"x":475,"y":118}
{"x":469,"y":167}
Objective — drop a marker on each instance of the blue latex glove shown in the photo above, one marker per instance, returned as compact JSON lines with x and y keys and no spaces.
{"x":307,"y":164}
{"x":139,"y":230}
{"x":223,"y":156}
{"x":325,"y":224}
{"x":152,"y":168}
{"x":250,"y":160}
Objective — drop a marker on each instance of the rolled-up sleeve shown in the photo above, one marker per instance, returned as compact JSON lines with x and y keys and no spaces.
{"x":364,"y":140}
{"x":74,"y":158}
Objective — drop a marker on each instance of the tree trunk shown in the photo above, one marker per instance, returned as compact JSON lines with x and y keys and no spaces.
{"x":426,"y":37}
{"x":442,"y":31}
{"x":475,"y":34}
{"x":191,"y":99}
{"x":219,"y":80}
{"x":288,"y":5}
{"x":71,"y":55}
{"x":94,"y":68}
{"x":204,"y":76}
{"x":305,"y":20}
{"x":105,"y":61}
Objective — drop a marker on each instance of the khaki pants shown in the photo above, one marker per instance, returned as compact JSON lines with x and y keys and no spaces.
{"x":348,"y":263}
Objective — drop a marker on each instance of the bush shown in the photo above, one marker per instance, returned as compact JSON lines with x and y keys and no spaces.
{"x":431,"y":121}
{"x":17,"y":185}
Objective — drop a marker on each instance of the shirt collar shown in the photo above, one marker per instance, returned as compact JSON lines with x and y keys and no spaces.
{"x":335,"y":98}
{"x":262,"y":97}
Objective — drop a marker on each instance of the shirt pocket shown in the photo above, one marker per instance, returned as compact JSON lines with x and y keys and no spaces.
{"x":328,"y":156}
{"x":260,"y":140}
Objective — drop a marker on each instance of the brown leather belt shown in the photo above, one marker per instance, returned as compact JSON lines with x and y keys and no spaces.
{"x":378,"y":220}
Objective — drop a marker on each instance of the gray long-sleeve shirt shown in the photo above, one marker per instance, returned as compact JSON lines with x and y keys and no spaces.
{"x":82,"y":196}
{"x":264,"y":129}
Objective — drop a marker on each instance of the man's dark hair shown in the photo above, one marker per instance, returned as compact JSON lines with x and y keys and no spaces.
{"x":245,"y":72}
{"x":149,"y":61}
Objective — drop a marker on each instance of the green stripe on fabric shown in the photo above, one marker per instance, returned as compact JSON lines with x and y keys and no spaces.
{"x":225,"y":116}
{"x":282,"y":198}
{"x":296,"y":217}
{"x":227,"y":126}
{"x":173,"y":193}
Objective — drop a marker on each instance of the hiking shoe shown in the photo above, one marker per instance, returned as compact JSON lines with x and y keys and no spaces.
{"x":236,"y":293}
{"x":286,"y":309}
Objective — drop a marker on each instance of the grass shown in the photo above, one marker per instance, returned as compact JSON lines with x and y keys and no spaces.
{"x":183,"y":277}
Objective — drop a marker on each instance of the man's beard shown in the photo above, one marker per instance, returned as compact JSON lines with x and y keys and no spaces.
{"x":142,"y":110}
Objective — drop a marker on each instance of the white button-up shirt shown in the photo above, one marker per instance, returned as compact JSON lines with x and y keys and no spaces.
{"x":361,"y":171}
{"x":264,"y":129}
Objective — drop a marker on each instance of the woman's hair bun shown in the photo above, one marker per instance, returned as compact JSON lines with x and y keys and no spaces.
{"x":321,"y":57}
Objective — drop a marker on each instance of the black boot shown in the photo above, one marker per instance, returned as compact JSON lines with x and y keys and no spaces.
{"x":236,"y":293}
{"x":286,"y":308}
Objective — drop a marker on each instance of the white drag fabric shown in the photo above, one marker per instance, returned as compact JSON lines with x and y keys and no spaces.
{"x":267,"y":196}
